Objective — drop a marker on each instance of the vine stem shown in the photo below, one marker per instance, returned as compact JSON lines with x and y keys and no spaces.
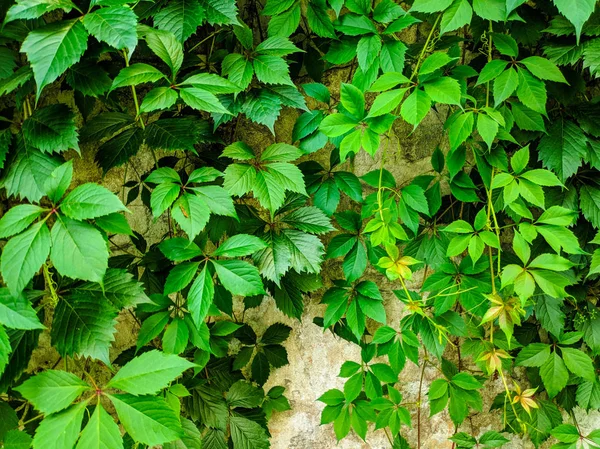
{"x":133,"y":92}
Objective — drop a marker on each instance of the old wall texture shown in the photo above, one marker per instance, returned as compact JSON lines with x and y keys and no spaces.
{"x":315,"y":357}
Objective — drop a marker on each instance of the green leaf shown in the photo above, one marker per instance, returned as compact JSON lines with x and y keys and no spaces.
{"x":505,"y":85}
{"x":430,"y":6}
{"x":84,"y":325}
{"x":247,"y":434}
{"x":221,"y":12}
{"x":487,"y":128}
{"x":18,"y":218}
{"x":415,"y":107}
{"x":543,"y":69}
{"x":563,"y":148}
{"x":367,"y":51}
{"x":136,"y":74}
{"x":60,"y":430}
{"x":159,"y":98}
{"x":211,"y":83}
{"x":54,"y":48}
{"x":202,"y":100}
{"x":16,"y":312}
{"x":444,"y":90}
{"x":32,"y":9}
{"x":589,"y":201}
{"x":120,"y":287}
{"x":114,"y":224}
{"x":491,"y":70}
{"x":149,"y":373}
{"x":239,"y":277}
{"x":534,"y":354}
{"x":200,"y":296}
{"x":240,"y":245}
{"x":89,"y":79}
{"x":51,"y":129}
{"x":148,"y":419}
{"x":579,"y":363}
{"x":337,"y":124}
{"x":554,"y":374}
{"x":277,"y":46}
{"x":180,"y":276}
{"x":51,"y":391}
{"x":90,"y":201}
{"x":78,"y":250}
{"x":17,"y":439}
{"x":459,"y":130}
{"x":23,"y":256}
{"x":180,"y":17}
{"x":59,"y":181}
{"x":566,"y":433}
{"x":271,"y":70}
{"x":101,"y":432}
{"x":457,"y":15}
{"x":532,"y":92}
{"x":191,"y":213}
{"x":117,"y":26}
{"x":238,"y":69}
{"x":576,"y":11}
{"x":166,"y":46}
{"x":494,"y":10}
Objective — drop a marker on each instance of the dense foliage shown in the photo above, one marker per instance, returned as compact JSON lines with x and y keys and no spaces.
{"x":500,"y":234}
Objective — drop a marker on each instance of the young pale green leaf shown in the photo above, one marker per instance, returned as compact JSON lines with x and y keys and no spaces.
{"x":505,"y":84}
{"x":23,"y":256}
{"x":429,"y":6}
{"x":53,"y":48}
{"x":457,"y":15}
{"x":51,"y":391}
{"x":415,"y":107}
{"x":149,"y":373}
{"x":387,"y":102}
{"x":59,"y":181}
{"x":444,"y":90}
{"x":100,"y":432}
{"x":337,"y":124}
{"x":147,"y":419}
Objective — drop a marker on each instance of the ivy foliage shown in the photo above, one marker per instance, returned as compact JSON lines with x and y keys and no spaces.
{"x":491,"y":252}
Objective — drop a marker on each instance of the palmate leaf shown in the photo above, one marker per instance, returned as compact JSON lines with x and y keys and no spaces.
{"x":180,"y":17}
{"x":149,"y":373}
{"x":52,"y":49}
{"x":61,"y":430}
{"x":78,"y":250}
{"x":51,"y":129}
{"x":148,"y":419}
{"x":84,"y":325}
{"x":23,"y":256}
{"x":118,"y":286}
{"x":117,"y":26}
{"x":51,"y":391}
{"x":100,"y":432}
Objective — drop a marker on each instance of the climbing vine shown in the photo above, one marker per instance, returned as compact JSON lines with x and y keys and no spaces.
{"x":492,"y":251}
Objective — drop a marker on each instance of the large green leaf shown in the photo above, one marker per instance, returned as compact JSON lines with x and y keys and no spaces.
{"x":166,"y":46}
{"x":191,"y":213}
{"x":147,"y":419}
{"x":554,"y":374}
{"x":202,"y":100}
{"x":23,"y":256}
{"x":136,"y":74}
{"x":576,"y":11}
{"x":61,"y":430}
{"x":90,"y":201}
{"x":51,"y":129}
{"x":100,"y":432}
{"x":149,"y":373}
{"x":52,"y":49}
{"x":415,"y":107}
{"x":78,"y":250}
{"x":16,"y":312}
{"x":180,"y":17}
{"x":32,"y":9}
{"x":239,"y":277}
{"x":117,"y":26}
{"x":84,"y":325}
{"x":51,"y":391}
